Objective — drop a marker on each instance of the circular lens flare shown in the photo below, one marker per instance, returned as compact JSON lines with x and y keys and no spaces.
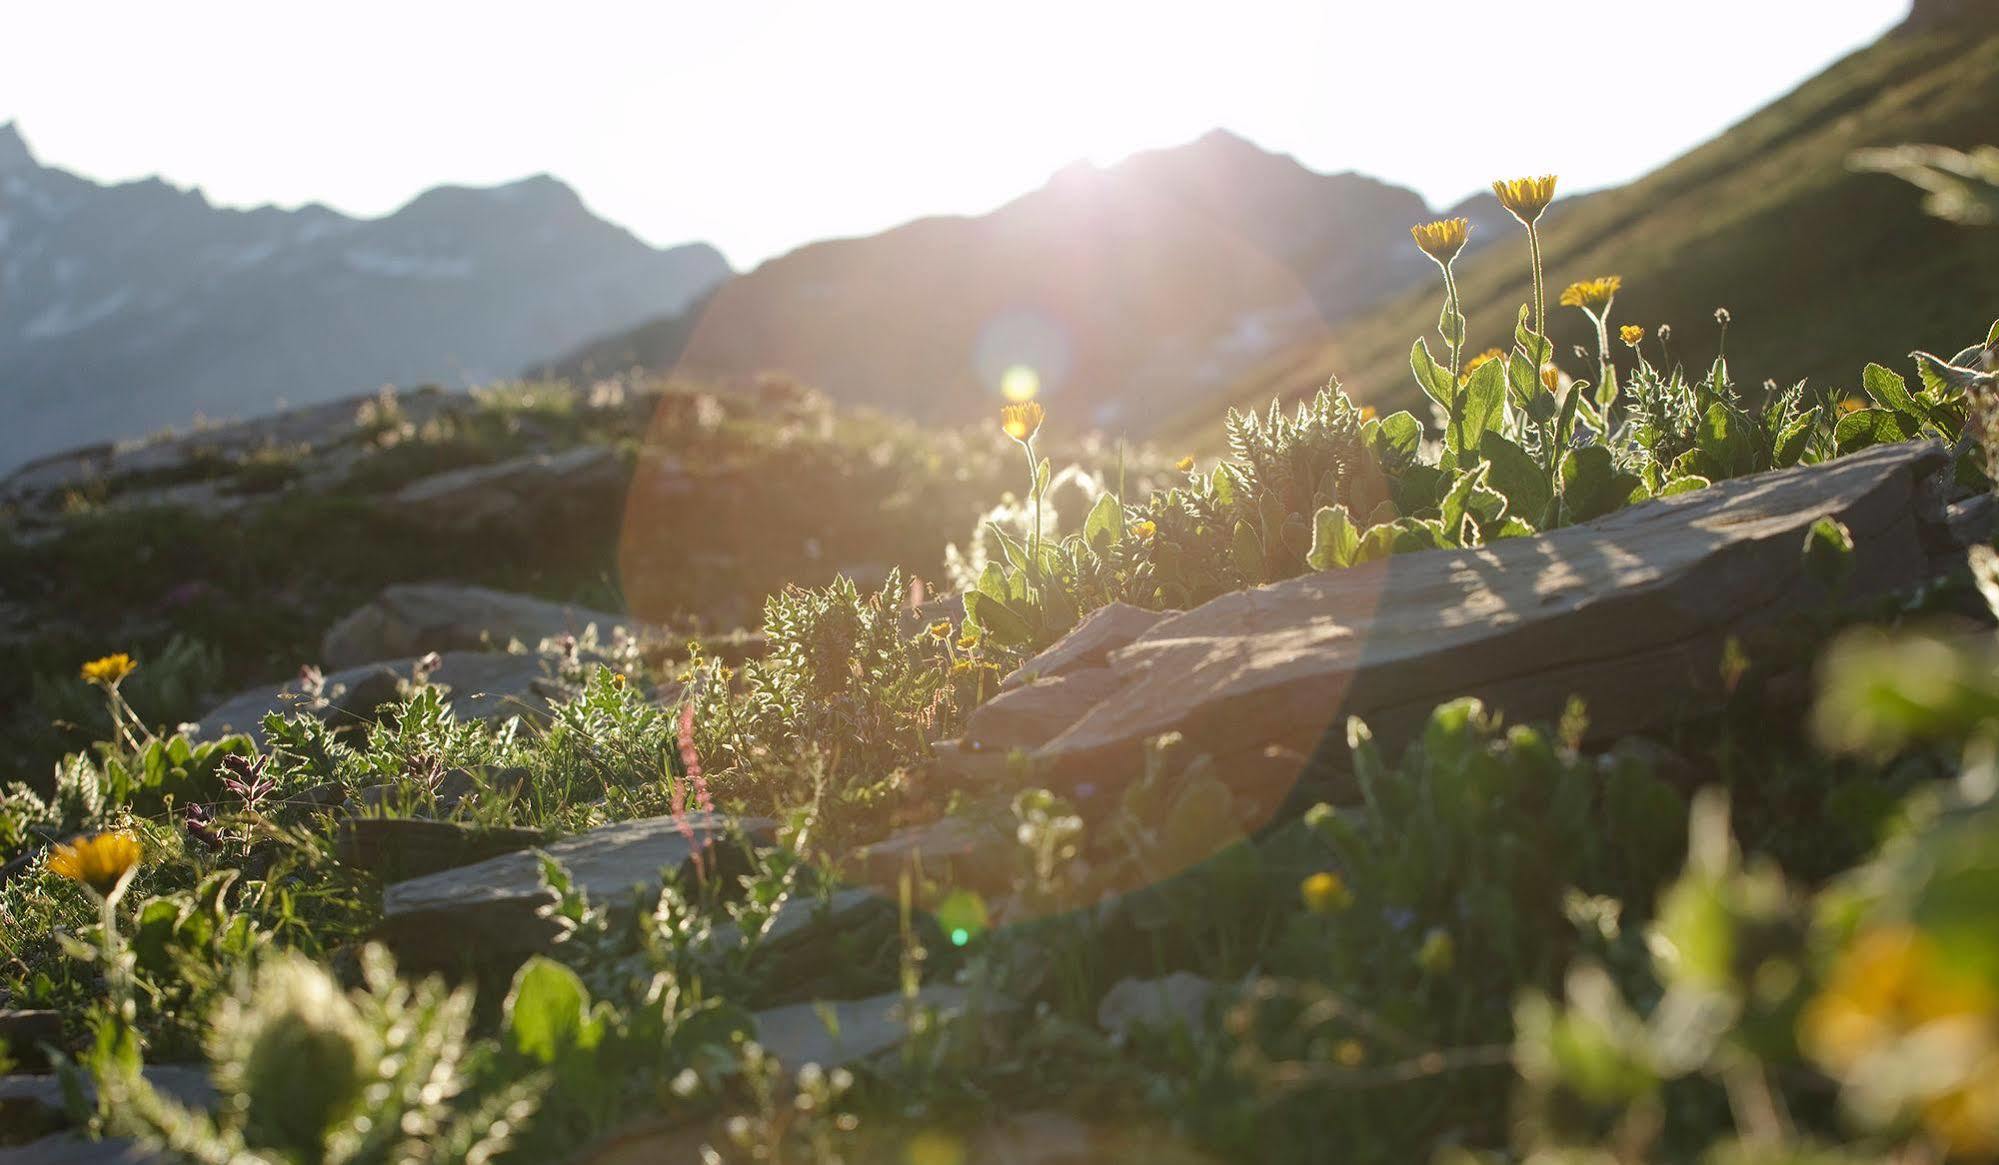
{"x":1020,"y":384}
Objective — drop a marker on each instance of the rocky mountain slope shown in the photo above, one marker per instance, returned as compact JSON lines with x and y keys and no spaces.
{"x":1131,"y":289}
{"x":128,"y":307}
{"x":1817,"y":263}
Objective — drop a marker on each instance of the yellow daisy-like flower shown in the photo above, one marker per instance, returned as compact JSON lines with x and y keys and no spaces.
{"x":1443,"y":239}
{"x":1631,"y":334}
{"x":1184,"y":465}
{"x":1851,"y":404}
{"x":99,"y":861}
{"x":1367,"y":413}
{"x":1022,"y":421}
{"x":1145,"y":529}
{"x":1593,"y":294}
{"x":941,"y":629}
{"x":1551,"y":378}
{"x":1325,"y":893}
{"x":1525,"y":198}
{"x":110,"y":670}
{"x":1479,"y":361}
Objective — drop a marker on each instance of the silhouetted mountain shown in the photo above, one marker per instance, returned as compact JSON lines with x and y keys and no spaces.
{"x":1132,"y":290}
{"x":128,"y":307}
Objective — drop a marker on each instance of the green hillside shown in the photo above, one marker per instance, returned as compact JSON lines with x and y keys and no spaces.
{"x":1821,"y":267}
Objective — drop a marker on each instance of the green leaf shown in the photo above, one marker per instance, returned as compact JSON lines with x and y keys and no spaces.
{"x":1457,"y":501}
{"x":1683,"y":485}
{"x":1434,"y":379}
{"x":1869,"y":427}
{"x":548,"y":1011}
{"x":1002,"y":622}
{"x":1726,"y":441}
{"x":1791,"y":443}
{"x":1104,"y":528}
{"x":992,"y":581}
{"x":1538,"y":348}
{"x":1334,"y":539}
{"x":1518,"y":476}
{"x":1992,"y":337}
{"x":1589,"y":484}
{"x":1011,"y":548}
{"x":1890,"y":391}
{"x":1829,"y":552}
{"x":1247,"y":550}
{"x":1397,"y":439}
{"x":1484,"y":406}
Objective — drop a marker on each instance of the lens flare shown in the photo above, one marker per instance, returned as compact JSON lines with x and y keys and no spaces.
{"x":1020,"y":384}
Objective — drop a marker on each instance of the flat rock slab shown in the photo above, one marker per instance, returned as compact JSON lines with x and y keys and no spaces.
{"x":409,"y":619}
{"x":1101,"y":632}
{"x":829,"y":1034}
{"x":484,"y":686}
{"x":1630,"y":612}
{"x":489,"y":907}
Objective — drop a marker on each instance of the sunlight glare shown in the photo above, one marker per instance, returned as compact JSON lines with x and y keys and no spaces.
{"x":1020,"y":384}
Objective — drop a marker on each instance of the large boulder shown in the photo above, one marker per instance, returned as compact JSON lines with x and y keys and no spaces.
{"x":1631,"y":612}
{"x":409,"y":619}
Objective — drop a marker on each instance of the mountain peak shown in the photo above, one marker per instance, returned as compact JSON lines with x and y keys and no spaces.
{"x":1944,"y":13}
{"x":14,"y":152}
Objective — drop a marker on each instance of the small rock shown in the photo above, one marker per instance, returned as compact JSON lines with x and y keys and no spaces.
{"x":484,"y":686}
{"x":410,"y":847}
{"x":489,"y":907}
{"x":531,"y":487}
{"x":1178,"y":1000}
{"x":408,"y":619}
{"x":1089,"y":645}
{"x":974,"y":850}
{"x":843,"y":1032}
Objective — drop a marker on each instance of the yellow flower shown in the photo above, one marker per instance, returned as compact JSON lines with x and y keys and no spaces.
{"x":1593,"y":294}
{"x":1479,"y":361}
{"x":1185,"y":464}
{"x":1526,"y":198}
{"x":1551,"y":378}
{"x":1851,"y":404}
{"x":1889,"y":982}
{"x":1443,"y":239}
{"x":1325,"y":893}
{"x":1145,"y":529}
{"x":110,"y":670}
{"x":1022,"y":421}
{"x":941,"y":629}
{"x":99,"y":861}
{"x":1438,"y":953}
{"x":1350,"y":1053}
{"x":1367,"y":413}
{"x":1632,"y":335}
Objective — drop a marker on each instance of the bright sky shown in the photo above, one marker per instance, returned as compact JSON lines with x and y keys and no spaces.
{"x":762,"y":124}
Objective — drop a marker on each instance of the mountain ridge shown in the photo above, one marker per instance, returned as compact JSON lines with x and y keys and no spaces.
{"x":130,"y":306}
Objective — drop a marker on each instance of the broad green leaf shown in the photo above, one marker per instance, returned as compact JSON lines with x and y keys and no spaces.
{"x":1889,"y":390}
{"x":1726,"y":441}
{"x":1002,"y":622}
{"x":1683,"y":485}
{"x":1010,"y":548}
{"x":1829,"y":552}
{"x":1538,"y":348}
{"x":1589,"y":484}
{"x":1518,"y":476}
{"x":1104,"y":528}
{"x":548,"y":1011}
{"x":1434,"y":378}
{"x":1869,"y":427}
{"x":1334,"y":539}
{"x":1992,"y":337}
{"x":1482,"y":411}
{"x":992,"y":581}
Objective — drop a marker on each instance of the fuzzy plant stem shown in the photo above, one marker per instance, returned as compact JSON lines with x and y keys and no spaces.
{"x":1458,"y":317}
{"x":1034,"y":534}
{"x":1540,"y":294}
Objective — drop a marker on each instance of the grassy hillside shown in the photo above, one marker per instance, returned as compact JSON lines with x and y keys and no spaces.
{"x":1822,"y":268}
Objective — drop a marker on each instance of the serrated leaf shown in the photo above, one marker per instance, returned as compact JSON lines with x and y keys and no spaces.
{"x":1889,"y":390}
{"x":1683,"y":485}
{"x":1396,"y":439}
{"x":1457,"y":501}
{"x":1334,"y":539}
{"x":1791,"y":443}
